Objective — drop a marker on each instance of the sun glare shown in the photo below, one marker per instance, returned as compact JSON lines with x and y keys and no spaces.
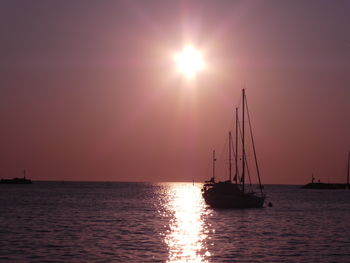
{"x":188,"y":231}
{"x":189,"y":61}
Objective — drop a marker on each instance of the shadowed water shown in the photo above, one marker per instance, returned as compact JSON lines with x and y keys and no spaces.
{"x":168,"y":222}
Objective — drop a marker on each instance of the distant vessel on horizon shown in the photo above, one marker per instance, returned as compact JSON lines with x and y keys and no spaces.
{"x":320,"y":185}
{"x":235,"y":193}
{"x":16,"y":180}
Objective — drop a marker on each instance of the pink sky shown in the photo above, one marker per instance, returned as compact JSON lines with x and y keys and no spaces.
{"x":88,"y":90}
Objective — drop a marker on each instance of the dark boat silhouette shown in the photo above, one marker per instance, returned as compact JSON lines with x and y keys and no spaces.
{"x":319,"y":185}
{"x":235,"y":193}
{"x":16,"y":180}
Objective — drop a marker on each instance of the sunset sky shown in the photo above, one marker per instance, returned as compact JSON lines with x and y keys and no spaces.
{"x":89,"y":89}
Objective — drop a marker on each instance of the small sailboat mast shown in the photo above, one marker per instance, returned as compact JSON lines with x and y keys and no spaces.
{"x":214,"y":159}
{"x":243,"y":147}
{"x":347,"y":177}
{"x":236,"y":156}
{"x":230,"y":155}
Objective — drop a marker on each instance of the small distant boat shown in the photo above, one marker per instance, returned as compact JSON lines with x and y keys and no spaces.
{"x":16,"y":180}
{"x":320,"y":185}
{"x":235,"y":193}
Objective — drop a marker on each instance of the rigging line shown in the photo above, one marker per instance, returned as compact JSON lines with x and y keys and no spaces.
{"x":255,"y":157}
{"x":222,"y":156}
{"x":237,"y":171}
{"x":233,"y":150}
{"x":248,"y":172}
{"x":234,"y":157}
{"x":241,"y":137}
{"x":232,"y":123}
{"x":246,"y":159}
{"x":236,"y":145}
{"x":232,"y":126}
{"x":243,"y":140}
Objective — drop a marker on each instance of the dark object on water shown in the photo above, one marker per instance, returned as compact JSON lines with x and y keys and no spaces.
{"x":234,"y":193}
{"x":229,"y":195}
{"x":270,"y":204}
{"x":320,"y":185}
{"x":324,"y":186}
{"x":16,"y":180}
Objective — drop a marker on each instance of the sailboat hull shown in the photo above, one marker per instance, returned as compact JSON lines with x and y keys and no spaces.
{"x":226,"y":195}
{"x":234,"y":201}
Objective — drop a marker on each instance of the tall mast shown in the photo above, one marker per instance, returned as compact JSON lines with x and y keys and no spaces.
{"x":243,"y":149}
{"x":214,"y":159}
{"x":236,"y":157}
{"x":253,"y":144}
{"x":229,"y":155}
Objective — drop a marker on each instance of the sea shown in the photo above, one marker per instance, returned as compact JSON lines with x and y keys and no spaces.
{"x":168,"y":222}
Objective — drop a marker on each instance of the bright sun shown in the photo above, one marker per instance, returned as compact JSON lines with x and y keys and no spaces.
{"x":189,"y":61}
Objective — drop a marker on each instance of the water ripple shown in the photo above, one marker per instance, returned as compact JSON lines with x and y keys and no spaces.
{"x":139,"y":222}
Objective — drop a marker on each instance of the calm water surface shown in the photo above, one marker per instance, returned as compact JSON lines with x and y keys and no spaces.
{"x":168,"y":222}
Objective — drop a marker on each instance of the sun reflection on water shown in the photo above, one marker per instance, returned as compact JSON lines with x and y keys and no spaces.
{"x":187,"y":231}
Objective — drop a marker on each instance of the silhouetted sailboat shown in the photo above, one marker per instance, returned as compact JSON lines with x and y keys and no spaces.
{"x":235,"y":193}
